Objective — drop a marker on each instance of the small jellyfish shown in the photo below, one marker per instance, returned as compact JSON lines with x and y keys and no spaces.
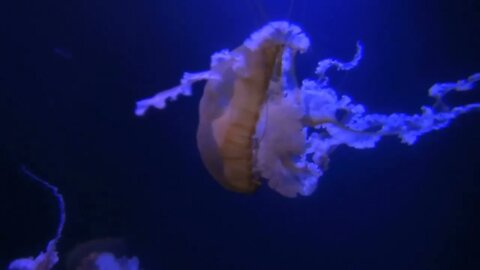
{"x":47,"y":259}
{"x":257,"y":123}
{"x":103,"y":254}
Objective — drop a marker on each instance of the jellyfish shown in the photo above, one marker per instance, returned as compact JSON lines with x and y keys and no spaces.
{"x":103,"y":254}
{"x":49,"y":258}
{"x":258,"y":124}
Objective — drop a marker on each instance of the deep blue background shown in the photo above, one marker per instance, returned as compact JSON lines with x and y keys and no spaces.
{"x":70,"y":120}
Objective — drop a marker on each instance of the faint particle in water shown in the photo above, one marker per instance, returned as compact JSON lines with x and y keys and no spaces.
{"x":63,"y":53}
{"x":257,"y":122}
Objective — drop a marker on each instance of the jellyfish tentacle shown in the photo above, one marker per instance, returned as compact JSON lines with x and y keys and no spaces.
{"x":159,"y":100}
{"x":439,"y":90}
{"x":326,"y":64}
{"x":218,"y":63}
{"x":58,"y":196}
{"x":357,"y":132}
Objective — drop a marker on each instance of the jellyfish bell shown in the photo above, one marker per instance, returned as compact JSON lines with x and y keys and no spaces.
{"x":231,"y":106}
{"x":101,"y":254}
{"x":84,"y":255}
{"x":256,"y":122}
{"x":238,"y":86}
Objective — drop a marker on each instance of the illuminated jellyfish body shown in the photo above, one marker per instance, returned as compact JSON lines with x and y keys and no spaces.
{"x":256,"y":122}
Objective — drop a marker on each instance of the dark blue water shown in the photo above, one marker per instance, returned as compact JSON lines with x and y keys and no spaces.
{"x":71,"y":71}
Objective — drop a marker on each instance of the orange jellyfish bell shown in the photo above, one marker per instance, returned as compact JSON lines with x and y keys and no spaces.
{"x":257,"y":123}
{"x":234,"y":96}
{"x":231,"y":106}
